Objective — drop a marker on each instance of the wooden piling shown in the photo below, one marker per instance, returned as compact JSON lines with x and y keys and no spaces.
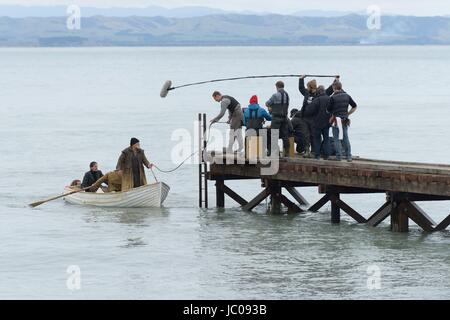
{"x":335,"y":210}
{"x":275,"y":197}
{"x":399,"y":218}
{"x":220,"y":194}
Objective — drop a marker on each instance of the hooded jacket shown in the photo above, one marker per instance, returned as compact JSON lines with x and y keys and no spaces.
{"x":255,"y":112}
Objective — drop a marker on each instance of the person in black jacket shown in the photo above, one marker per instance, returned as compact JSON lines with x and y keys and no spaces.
{"x":300,"y":132}
{"x":309,"y":94}
{"x":338,"y":107}
{"x":91,"y":176}
{"x":317,"y":111}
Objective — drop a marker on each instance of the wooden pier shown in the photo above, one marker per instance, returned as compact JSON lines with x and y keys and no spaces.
{"x":403,"y":183}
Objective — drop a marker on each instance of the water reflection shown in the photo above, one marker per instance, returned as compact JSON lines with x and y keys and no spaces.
{"x":128,"y":216}
{"x":304,"y":256}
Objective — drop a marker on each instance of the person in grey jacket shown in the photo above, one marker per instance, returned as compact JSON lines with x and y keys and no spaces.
{"x":278,"y":106}
{"x":235,"y":118}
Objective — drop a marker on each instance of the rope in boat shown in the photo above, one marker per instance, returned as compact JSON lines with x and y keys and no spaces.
{"x":192,"y":154}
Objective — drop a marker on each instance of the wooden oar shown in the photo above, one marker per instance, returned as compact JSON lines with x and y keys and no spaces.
{"x":35,"y":204}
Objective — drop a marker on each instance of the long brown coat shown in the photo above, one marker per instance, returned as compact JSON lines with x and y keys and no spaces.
{"x":125,"y":164}
{"x":112,"y":178}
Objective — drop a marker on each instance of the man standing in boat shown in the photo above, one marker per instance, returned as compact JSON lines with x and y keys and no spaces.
{"x":235,"y":118}
{"x":131,"y":164}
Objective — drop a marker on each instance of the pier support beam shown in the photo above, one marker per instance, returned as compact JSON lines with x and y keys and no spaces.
{"x":335,"y":210}
{"x":220,"y":194}
{"x":350,"y":211}
{"x":399,"y":218}
{"x":380,"y":215}
{"x":233,"y":195}
{"x":297,"y":196}
{"x":275,"y":197}
{"x":416,"y":214}
{"x":443,"y":225}
{"x":319,"y":204}
{"x":257,"y":200}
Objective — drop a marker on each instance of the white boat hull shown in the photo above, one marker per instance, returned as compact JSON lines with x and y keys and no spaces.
{"x":151,"y":195}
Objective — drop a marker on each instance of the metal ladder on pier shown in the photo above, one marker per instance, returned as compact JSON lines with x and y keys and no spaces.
{"x":202,"y":164}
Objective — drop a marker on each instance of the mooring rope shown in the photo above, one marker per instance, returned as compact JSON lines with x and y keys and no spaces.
{"x":192,"y":154}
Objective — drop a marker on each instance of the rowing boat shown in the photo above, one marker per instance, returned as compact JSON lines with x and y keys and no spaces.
{"x":150,"y":195}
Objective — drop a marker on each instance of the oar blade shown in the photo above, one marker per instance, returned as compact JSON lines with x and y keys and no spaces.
{"x":36,"y":204}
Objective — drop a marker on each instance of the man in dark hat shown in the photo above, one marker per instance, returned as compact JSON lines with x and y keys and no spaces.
{"x":131,"y":163}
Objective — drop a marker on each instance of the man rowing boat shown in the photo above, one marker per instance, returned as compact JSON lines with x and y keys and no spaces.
{"x":91,"y":176}
{"x":113,"y":179}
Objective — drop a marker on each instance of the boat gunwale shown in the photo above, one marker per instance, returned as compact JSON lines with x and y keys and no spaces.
{"x":133,"y":190}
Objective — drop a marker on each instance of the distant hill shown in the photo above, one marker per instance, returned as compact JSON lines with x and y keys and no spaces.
{"x":224,"y":29}
{"x":17,"y":11}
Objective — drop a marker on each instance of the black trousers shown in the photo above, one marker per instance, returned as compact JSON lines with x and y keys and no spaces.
{"x":282,"y":125}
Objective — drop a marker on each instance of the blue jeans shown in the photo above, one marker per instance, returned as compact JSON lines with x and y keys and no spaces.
{"x":347,"y":147}
{"x":318,"y":134}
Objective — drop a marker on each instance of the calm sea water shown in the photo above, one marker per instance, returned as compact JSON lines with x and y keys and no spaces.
{"x":62,"y":108}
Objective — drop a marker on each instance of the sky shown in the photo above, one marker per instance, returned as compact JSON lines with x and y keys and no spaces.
{"x":406,"y":7}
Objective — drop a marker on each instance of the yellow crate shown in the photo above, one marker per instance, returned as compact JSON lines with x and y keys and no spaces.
{"x":291,"y":152}
{"x":254,"y":148}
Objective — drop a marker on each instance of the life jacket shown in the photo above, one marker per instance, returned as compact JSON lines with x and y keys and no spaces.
{"x":280,"y":110}
{"x":341,"y":103}
{"x":233,"y":103}
{"x":254,"y":122}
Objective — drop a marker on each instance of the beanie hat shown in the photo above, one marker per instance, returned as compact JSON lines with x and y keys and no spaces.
{"x":254,"y":99}
{"x":133,"y":141}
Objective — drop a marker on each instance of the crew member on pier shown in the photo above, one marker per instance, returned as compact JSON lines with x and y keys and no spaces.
{"x":278,"y":106}
{"x":338,"y":107}
{"x":254,"y":115}
{"x":317,"y":111}
{"x":235,"y":118}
